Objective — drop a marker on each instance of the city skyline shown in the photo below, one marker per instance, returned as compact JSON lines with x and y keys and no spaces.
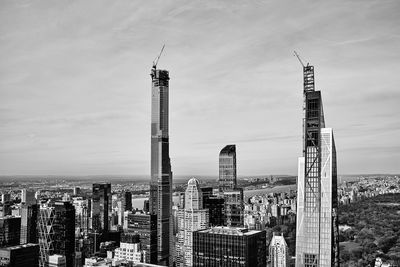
{"x":75,"y":99}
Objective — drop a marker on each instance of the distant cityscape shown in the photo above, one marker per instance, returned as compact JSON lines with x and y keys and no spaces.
{"x":253,"y":221}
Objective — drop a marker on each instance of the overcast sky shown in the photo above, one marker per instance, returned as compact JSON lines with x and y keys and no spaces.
{"x":75,"y":85}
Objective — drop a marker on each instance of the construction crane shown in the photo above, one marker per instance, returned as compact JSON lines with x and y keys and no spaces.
{"x":298,"y":57}
{"x":155,"y":61}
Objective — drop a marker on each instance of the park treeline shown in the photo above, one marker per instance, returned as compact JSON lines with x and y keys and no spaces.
{"x":370,"y":229}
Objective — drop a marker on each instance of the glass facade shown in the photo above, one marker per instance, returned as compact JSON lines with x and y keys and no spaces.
{"x":101,"y":207}
{"x":145,"y":225}
{"x":229,"y":246}
{"x":227,"y":168}
{"x":316,"y":235}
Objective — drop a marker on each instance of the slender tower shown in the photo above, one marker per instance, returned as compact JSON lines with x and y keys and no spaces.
{"x":317,"y":225}
{"x":161,"y":175}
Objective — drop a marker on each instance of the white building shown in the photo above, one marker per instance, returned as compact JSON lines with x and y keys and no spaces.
{"x":192,"y":218}
{"x":278,"y":252}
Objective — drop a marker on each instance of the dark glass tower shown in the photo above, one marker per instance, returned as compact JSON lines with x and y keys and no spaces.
{"x":317,"y":226}
{"x":101,"y":207}
{"x":227,"y":168}
{"x":226,"y":246}
{"x":56,"y":229}
{"x":161,"y":175}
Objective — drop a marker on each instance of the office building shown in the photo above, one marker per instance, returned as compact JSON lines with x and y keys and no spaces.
{"x":229,"y":246}
{"x":191,"y":218}
{"x":56,"y":229}
{"x":101,"y":207}
{"x":227,"y":168}
{"x":161,"y":175}
{"x":20,"y":256}
{"x":29,"y":215}
{"x":145,"y":225}
{"x":317,"y":225}
{"x":278,"y":251}
{"x":234,"y":208}
{"x":10,"y":231}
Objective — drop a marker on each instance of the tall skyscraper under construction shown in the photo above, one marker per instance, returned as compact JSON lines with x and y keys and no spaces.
{"x":317,"y":225}
{"x":161,"y":175}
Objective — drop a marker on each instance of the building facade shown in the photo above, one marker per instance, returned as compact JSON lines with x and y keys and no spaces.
{"x":56,"y":229}
{"x":191,"y":218}
{"x":161,"y":175}
{"x":234,"y":208}
{"x":279,"y":252}
{"x":227,"y":168}
{"x":145,"y":225}
{"x":20,"y":256}
{"x":10,"y":230}
{"x":229,"y":246}
{"x":317,"y":226}
{"x":101,"y":207}
{"x":29,"y":215}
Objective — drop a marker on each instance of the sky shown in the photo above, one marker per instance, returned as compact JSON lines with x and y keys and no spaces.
{"x":75,"y":89}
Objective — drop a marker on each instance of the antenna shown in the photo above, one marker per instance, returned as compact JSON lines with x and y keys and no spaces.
{"x":155,"y":61}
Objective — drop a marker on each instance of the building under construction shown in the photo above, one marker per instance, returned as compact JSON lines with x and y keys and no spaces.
{"x":317,"y":225}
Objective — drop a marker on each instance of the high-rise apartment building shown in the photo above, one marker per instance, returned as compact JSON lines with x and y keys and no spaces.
{"x":101,"y":207}
{"x":145,"y":225}
{"x":191,"y":218}
{"x":317,"y":226}
{"x":234,"y":208}
{"x":229,"y":246}
{"x":227,"y":168}
{"x":161,"y":175}
{"x":29,"y":215}
{"x":278,"y":252}
{"x":56,"y":229}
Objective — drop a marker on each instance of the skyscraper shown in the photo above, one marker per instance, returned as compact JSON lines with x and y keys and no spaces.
{"x":56,"y":229}
{"x":101,"y":207}
{"x":161,"y":175}
{"x":227,"y":168}
{"x":229,"y":246}
{"x":29,"y":215}
{"x":191,"y":218}
{"x":317,"y":226}
{"x":278,"y":251}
